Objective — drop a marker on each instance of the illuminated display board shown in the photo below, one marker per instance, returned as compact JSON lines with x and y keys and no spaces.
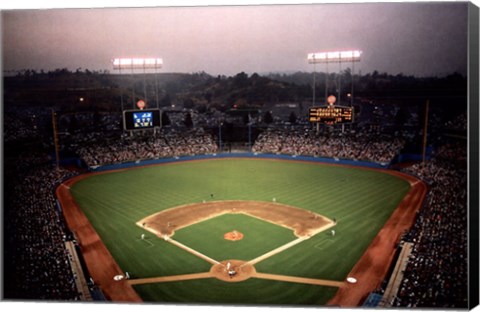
{"x":331,"y":114}
{"x":141,"y":119}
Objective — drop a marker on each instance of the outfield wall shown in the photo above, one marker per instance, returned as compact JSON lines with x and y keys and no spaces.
{"x":337,"y":161}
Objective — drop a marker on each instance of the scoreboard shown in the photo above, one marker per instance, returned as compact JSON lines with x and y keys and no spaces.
{"x":141,"y":119}
{"x":331,"y":114}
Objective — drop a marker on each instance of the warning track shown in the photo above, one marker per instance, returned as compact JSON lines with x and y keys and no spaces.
{"x":372,"y":267}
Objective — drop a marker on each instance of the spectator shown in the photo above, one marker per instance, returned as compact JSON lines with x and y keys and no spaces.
{"x":128,"y":149}
{"x":437,"y":272}
{"x":360,"y":146}
{"x":36,"y":240}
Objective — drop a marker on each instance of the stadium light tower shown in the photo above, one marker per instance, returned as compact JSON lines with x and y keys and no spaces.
{"x":136,"y":64}
{"x":333,"y":57}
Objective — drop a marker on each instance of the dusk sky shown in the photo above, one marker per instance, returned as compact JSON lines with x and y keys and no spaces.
{"x":419,"y":39}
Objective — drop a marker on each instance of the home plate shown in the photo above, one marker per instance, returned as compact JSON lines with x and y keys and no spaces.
{"x":351,"y":280}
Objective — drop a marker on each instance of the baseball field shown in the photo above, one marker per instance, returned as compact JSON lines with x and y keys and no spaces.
{"x":237,"y":230}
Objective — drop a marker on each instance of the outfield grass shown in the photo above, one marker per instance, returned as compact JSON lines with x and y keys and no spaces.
{"x":360,"y":200}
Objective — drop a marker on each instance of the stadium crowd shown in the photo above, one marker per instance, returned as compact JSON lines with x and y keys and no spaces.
{"x":436,"y":275}
{"x":37,"y":256}
{"x":459,"y":123}
{"x":359,"y":146}
{"x":128,"y":149}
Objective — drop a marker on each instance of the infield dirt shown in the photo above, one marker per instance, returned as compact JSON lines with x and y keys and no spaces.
{"x":304,"y":223}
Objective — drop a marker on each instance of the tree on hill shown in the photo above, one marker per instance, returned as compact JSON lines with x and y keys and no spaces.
{"x":240,"y":80}
{"x":165,"y":101}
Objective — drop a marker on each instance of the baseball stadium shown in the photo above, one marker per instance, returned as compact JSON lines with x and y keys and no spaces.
{"x":184,"y":215}
{"x":327,"y":189}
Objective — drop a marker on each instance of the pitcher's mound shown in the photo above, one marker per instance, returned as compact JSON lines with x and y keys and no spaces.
{"x":233,"y":236}
{"x":233,"y":271}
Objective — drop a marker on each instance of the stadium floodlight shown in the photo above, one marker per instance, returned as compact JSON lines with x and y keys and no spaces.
{"x":137,"y":63}
{"x":334,"y":57}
